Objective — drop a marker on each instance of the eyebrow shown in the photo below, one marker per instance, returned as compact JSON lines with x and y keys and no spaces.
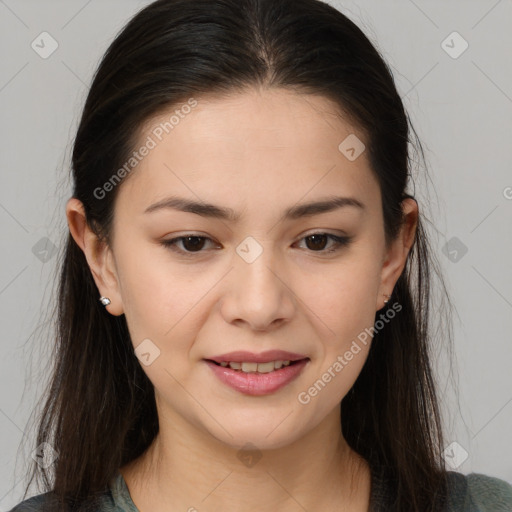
{"x":217,"y":212}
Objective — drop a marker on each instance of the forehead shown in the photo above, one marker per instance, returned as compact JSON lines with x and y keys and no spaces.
{"x":245,"y":147}
{"x":275,"y":118}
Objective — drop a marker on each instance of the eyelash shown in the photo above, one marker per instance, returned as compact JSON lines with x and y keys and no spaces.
{"x":340,"y":242}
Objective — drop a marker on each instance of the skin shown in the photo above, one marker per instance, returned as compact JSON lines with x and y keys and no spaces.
{"x":257,"y":152}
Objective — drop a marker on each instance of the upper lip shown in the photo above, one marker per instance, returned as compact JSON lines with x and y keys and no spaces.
{"x":241,"y":356}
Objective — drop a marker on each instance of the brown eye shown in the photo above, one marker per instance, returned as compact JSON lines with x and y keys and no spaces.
{"x":316,"y":242}
{"x":193,"y":243}
{"x":190,"y":244}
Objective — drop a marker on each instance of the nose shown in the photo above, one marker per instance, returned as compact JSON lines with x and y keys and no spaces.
{"x":258,"y":293}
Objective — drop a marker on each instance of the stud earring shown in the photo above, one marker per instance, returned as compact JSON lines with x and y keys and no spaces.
{"x":105,"y":301}
{"x":386,"y":300}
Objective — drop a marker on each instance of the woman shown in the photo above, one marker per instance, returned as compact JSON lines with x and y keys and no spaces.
{"x":244,"y":299}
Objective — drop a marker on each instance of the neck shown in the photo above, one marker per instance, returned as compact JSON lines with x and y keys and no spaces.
{"x":186,"y":468}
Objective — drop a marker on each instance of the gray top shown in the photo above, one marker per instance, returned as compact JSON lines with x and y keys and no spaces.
{"x":468,"y":493}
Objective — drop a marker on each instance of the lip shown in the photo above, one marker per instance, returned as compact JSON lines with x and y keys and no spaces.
{"x":257,"y":384}
{"x":241,"y":356}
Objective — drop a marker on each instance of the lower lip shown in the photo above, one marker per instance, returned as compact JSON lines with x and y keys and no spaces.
{"x":257,"y":384}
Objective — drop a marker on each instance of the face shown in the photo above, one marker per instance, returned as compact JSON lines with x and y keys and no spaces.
{"x":266,"y":275}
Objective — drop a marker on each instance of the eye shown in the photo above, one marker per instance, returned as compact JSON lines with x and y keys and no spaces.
{"x":318,"y":240}
{"x":193,"y":243}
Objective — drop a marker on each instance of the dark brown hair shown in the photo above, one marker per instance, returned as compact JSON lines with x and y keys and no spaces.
{"x":99,"y":410}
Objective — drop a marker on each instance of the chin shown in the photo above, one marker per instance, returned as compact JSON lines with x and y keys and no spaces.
{"x":257,"y":435}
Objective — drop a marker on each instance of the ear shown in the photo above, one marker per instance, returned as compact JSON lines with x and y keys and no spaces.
{"x":396,"y":255}
{"x":98,"y":254}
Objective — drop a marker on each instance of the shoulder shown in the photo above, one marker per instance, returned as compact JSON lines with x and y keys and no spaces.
{"x":490,"y":493}
{"x":476,"y":492}
{"x":33,"y":504}
{"x":42,"y":502}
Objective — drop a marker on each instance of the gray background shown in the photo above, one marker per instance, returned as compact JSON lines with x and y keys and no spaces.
{"x":461,"y":108}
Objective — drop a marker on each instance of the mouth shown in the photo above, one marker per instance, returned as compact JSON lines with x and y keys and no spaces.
{"x":253,"y":367}
{"x":257,"y":379}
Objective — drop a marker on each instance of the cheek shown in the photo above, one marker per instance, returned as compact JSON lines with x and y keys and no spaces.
{"x":155,"y":296}
{"x":168,"y":303}
{"x":343,"y":296}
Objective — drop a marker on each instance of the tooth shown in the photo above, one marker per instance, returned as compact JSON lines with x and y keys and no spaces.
{"x":249,"y":367}
{"x":266,"y":367}
{"x":256,"y":367}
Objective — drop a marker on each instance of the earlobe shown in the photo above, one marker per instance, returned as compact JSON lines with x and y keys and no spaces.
{"x":98,"y":256}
